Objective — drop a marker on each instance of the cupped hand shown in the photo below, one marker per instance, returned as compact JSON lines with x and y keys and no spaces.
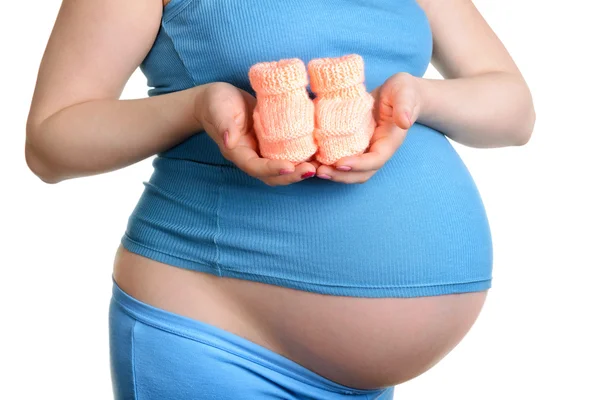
{"x":226,"y":115}
{"x":397,"y":107}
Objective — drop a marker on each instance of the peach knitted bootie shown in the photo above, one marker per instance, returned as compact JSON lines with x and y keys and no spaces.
{"x":343,"y":107}
{"x":284,"y":118}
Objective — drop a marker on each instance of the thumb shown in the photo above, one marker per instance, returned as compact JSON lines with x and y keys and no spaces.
{"x":229,"y":133}
{"x":397,"y":103}
{"x":403,"y":106}
{"x":232,"y":135}
{"x":237,"y":119}
{"x":225,"y":125}
{"x":403,"y":115}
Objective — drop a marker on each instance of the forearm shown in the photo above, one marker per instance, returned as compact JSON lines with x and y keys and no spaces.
{"x":104,"y":135}
{"x":489,"y":110}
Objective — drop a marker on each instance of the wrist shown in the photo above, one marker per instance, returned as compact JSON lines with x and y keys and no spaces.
{"x":424,"y":90}
{"x":197,"y":95}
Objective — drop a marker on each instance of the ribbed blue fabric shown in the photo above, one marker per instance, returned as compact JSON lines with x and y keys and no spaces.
{"x":417,"y":228}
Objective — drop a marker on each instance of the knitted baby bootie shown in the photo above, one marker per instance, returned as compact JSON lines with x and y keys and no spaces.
{"x":284,"y":118}
{"x":343,"y":107}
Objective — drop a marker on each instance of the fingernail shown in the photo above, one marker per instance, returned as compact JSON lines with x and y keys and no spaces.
{"x":308,"y":175}
{"x":409,"y":118}
{"x":323,"y":176}
{"x":344,"y":168}
{"x":226,"y":138}
{"x":285,"y":171}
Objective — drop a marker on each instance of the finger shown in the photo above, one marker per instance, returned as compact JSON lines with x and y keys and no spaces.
{"x":315,"y":164}
{"x":386,"y":140}
{"x":352,"y":177}
{"x":306,"y":170}
{"x":251,"y":163}
{"x":327,"y":172}
{"x":303,"y":171}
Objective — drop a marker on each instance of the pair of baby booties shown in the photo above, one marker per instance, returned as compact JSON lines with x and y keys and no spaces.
{"x":290,"y":126}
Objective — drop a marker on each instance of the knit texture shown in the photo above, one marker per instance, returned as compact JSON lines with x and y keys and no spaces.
{"x":344,"y":109}
{"x":284,"y":114}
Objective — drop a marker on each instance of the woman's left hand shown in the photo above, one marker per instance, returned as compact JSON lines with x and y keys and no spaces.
{"x":397,"y":107}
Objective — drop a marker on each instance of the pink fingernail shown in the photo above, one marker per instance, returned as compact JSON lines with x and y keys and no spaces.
{"x":344,"y":168}
{"x":408,"y":116}
{"x":308,"y":175}
{"x":285,"y":171}
{"x":323,"y":176}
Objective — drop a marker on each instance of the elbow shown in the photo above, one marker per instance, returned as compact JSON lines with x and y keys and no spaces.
{"x":36,"y":164}
{"x":39,"y":167}
{"x":526,"y":123}
{"x":523,"y":135}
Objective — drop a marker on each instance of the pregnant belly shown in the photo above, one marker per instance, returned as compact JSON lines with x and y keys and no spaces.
{"x":364,"y":343}
{"x":365,"y":258}
{"x":418,"y":227}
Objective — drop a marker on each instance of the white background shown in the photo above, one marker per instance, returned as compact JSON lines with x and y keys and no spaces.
{"x":538,"y":334}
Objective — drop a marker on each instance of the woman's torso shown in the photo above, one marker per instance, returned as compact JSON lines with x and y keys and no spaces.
{"x":417,"y":228}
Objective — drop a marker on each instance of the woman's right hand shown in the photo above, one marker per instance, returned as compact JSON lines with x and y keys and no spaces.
{"x":225,"y":113}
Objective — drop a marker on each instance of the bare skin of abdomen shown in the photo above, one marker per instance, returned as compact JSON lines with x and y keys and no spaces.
{"x":358,"y":342}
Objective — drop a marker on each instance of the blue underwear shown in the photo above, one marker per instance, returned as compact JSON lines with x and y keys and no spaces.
{"x":159,"y":355}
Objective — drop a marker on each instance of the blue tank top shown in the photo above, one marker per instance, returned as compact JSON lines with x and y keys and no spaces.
{"x":416,"y":228}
